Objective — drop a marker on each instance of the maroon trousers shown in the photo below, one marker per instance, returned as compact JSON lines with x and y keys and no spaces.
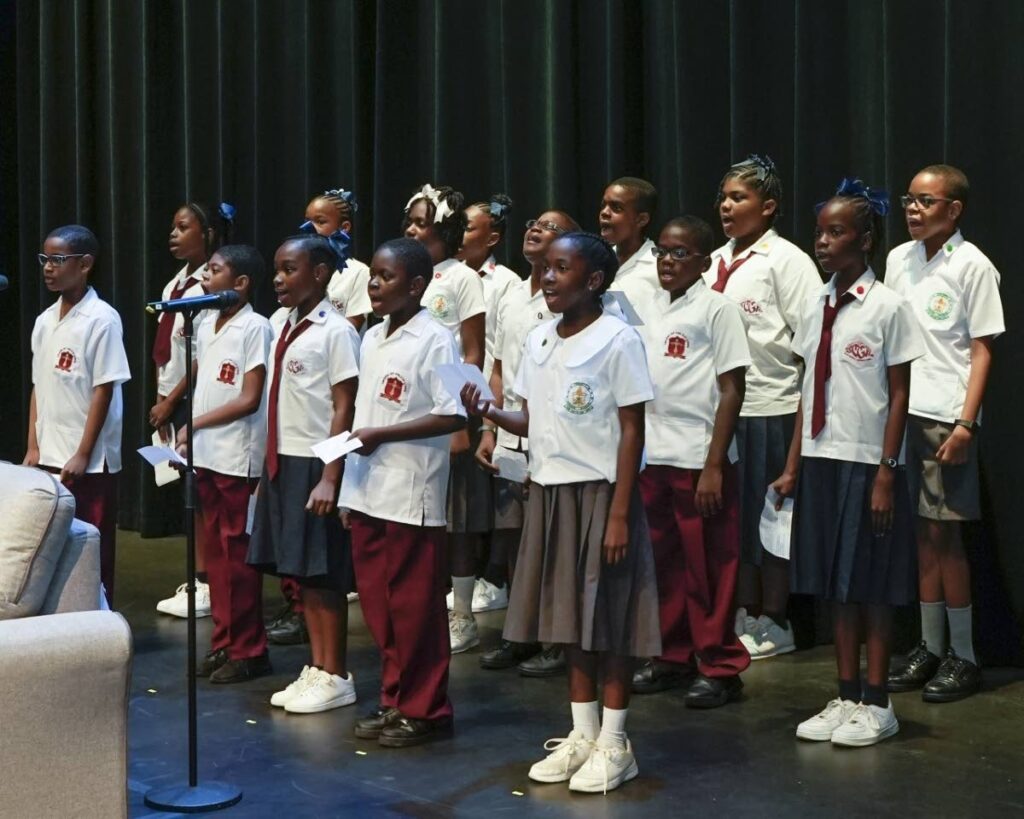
{"x":401,"y":572}
{"x":96,"y":503}
{"x":697,"y":560}
{"x":236,"y":588}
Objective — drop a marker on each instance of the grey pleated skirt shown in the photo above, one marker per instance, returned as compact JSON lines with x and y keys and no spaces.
{"x":470,"y":503}
{"x":835,"y":554}
{"x":288,"y":541}
{"x":763,"y":444}
{"x":564,"y":592}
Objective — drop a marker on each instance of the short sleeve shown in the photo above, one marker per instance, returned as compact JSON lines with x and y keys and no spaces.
{"x":359,"y":295}
{"x":37,"y":342}
{"x":796,"y":279}
{"x":904,"y":340}
{"x":729,"y":339}
{"x":342,"y":352}
{"x":523,"y":377}
{"x":469,"y":295}
{"x":444,"y":350}
{"x":803,"y":329}
{"x":500,"y":313}
{"x":982,"y":302}
{"x":628,"y":375}
{"x":107,"y":353}
{"x":257,"y":345}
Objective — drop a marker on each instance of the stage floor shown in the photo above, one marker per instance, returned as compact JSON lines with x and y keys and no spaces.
{"x":958,"y":760}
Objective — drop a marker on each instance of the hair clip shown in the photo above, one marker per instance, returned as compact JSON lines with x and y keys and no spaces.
{"x":763,"y":166}
{"x":226,"y":211}
{"x":346,"y":196}
{"x":878,"y":199}
{"x":497,"y":210}
{"x":307,"y":227}
{"x":442,"y":210}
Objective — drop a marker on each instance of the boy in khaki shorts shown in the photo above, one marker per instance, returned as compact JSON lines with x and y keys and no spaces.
{"x":954,"y":291}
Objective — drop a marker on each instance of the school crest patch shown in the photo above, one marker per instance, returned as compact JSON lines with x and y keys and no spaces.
{"x":579,"y":398}
{"x":338,"y":305}
{"x":66,"y":359}
{"x":751,"y":307}
{"x":228,"y":372}
{"x":940,"y":306}
{"x":675,"y":345}
{"x":295,"y":366}
{"x":858,"y":351}
{"x":439,"y":307}
{"x":393,"y":387}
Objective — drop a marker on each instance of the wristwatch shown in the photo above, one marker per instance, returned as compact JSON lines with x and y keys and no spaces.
{"x":892,"y":463}
{"x":490,"y":428}
{"x":970,"y":426}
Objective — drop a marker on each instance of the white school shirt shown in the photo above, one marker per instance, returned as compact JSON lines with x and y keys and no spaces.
{"x":637,"y":277}
{"x":326,"y":354}
{"x":225,"y":357}
{"x":875,"y":331}
{"x":169,"y":376}
{"x":690,"y":342}
{"x":347,"y":289}
{"x":574,"y":387}
{"x":771,"y":288}
{"x":405,"y":481}
{"x":955,"y":297}
{"x":70,"y":357}
{"x":455,"y":293}
{"x":519,"y":312}
{"x":496,"y":280}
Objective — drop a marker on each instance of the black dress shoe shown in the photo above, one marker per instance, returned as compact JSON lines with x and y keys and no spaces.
{"x":548,"y":663}
{"x":404,"y":732}
{"x":913,"y":671}
{"x":211,"y":662}
{"x":713,"y":692}
{"x":236,"y":671}
{"x":508,"y":654}
{"x":288,"y":630}
{"x":956,"y":679}
{"x":370,"y":726}
{"x":654,"y":676}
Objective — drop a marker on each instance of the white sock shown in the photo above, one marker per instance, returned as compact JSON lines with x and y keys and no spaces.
{"x":586,"y":719}
{"x":463,"y":588}
{"x":613,"y":728}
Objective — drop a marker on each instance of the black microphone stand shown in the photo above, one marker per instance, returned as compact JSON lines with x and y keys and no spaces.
{"x":194,"y":797}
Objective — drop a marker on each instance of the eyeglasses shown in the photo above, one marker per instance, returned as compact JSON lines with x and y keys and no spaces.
{"x":57,"y":259}
{"x":925,"y":201}
{"x":677,"y":253}
{"x":551,"y":227}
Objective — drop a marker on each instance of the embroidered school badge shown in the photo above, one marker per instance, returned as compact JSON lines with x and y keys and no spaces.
{"x":750,"y":307}
{"x":579,"y":398}
{"x":65,"y":360}
{"x":338,"y":305}
{"x":295,"y":366}
{"x":228,"y":372}
{"x":675,"y":345}
{"x":438,"y":307}
{"x":858,"y":351}
{"x":394,"y":386}
{"x":940,"y":306}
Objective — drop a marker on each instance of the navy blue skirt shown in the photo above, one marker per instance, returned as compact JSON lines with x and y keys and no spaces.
{"x":763,"y":445}
{"x":835,"y":554}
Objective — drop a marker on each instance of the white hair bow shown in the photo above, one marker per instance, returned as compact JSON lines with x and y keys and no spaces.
{"x":442,"y":210}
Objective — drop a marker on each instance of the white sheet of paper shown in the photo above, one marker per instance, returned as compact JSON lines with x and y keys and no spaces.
{"x":629,"y":313}
{"x":512,"y":466}
{"x":250,"y":514}
{"x":776,"y":527}
{"x":454,"y":377}
{"x":333,"y":448}
{"x":163,"y":472}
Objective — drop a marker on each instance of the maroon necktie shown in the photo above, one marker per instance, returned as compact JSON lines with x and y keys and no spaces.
{"x":283,"y":343}
{"x":725,"y":272}
{"x":823,"y":361}
{"x":164,"y":328}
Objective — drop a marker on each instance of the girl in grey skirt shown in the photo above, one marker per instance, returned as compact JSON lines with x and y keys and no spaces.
{"x":585,"y":576}
{"x":852,"y":536}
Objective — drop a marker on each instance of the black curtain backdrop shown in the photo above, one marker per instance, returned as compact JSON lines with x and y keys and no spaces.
{"x":114,"y":112}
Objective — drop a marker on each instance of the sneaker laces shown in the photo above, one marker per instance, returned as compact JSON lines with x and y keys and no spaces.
{"x":182,"y":589}
{"x":830,"y":709}
{"x":863,"y":714}
{"x":604,"y":754}
{"x":566,"y":747}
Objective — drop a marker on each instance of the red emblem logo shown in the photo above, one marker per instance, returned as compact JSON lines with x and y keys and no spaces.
{"x":65,"y":360}
{"x":675,"y":346}
{"x":859,"y":351}
{"x":295,"y":366}
{"x":750,"y":307}
{"x":394,"y":386}
{"x":228,"y":372}
{"x":437,"y":275}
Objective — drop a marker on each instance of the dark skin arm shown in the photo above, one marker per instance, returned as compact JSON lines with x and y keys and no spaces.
{"x":163,"y":409}
{"x":324,"y":497}
{"x":731,"y":385}
{"x":472,"y":353}
{"x":895,"y":424}
{"x":247,"y":402}
{"x":488,"y":440}
{"x":427,"y":426}
{"x":785,"y":484}
{"x":32,"y":449}
{"x":98,"y":408}
{"x":631,"y":445}
{"x":954,"y":449}
{"x":517,"y":423}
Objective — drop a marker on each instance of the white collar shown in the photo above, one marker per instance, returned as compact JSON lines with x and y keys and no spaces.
{"x":414,"y":326}
{"x":762,"y":246}
{"x":859,"y":289}
{"x":947,"y":249}
{"x":318,"y":315}
{"x":642,"y":254}
{"x":585,"y":344}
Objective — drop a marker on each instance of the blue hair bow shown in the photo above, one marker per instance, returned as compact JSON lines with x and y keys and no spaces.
{"x":878,"y":199}
{"x":340,"y":242}
{"x":497,"y":210}
{"x":346,"y":196}
{"x":226,"y":211}
{"x":307,"y":227}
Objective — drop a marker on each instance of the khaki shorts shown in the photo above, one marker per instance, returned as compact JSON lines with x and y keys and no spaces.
{"x":941,"y":492}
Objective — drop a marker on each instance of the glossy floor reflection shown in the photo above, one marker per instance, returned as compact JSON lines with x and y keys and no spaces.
{"x":957,"y":760}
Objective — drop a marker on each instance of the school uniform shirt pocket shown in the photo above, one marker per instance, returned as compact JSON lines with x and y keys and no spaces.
{"x":392,"y":391}
{"x":442,"y":304}
{"x":398,"y":487}
{"x":580,"y":399}
{"x":934,"y":393}
{"x":681,"y":442}
{"x":755,"y":300}
{"x":940,"y":310}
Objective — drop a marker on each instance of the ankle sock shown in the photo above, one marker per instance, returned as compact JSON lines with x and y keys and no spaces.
{"x":586,"y":719}
{"x":463,"y":588}
{"x":875,"y":695}
{"x":933,"y":627}
{"x":961,"y":637}
{"x":850,"y":690}
{"x":202,"y":577}
{"x":613,"y":728}
{"x":779,"y":620}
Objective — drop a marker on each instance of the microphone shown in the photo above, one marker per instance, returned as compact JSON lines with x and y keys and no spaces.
{"x":3,"y":282}
{"x":225,"y":298}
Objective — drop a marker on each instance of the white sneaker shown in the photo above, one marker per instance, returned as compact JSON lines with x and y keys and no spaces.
{"x":352,"y":597}
{"x":280,"y":698}
{"x":605,"y":769}
{"x":821,"y":726}
{"x":449,"y":599}
{"x":488,"y":597}
{"x":567,"y":756}
{"x":744,"y":623}
{"x":768,"y":639}
{"x":177,"y":605}
{"x":322,"y":692}
{"x":867,"y":725}
{"x":463,"y":632}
